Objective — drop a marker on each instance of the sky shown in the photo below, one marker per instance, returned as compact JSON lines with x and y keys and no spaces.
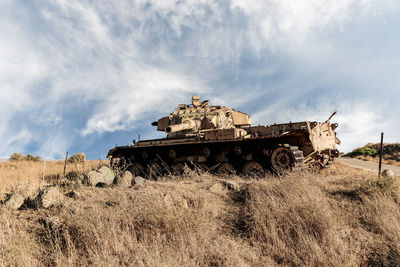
{"x":84,"y":76}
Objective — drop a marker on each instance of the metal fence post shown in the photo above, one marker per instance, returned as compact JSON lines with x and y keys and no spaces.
{"x":380,"y":156}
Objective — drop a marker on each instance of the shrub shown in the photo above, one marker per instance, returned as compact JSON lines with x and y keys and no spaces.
{"x":31,"y":157}
{"x":77,"y":158}
{"x":22,"y":157}
{"x":363,"y":151}
{"x":17,"y":157}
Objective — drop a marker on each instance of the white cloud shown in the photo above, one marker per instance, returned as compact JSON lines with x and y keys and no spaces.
{"x":124,"y":63}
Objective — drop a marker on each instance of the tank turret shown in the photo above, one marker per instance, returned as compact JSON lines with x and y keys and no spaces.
{"x":199,"y":117}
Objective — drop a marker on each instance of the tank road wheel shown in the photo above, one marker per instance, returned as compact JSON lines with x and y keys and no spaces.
{"x":136,"y":169}
{"x":178,"y":168}
{"x":286,"y":158}
{"x":225,"y":168}
{"x":154,"y":170}
{"x":253,"y":168}
{"x":202,"y":167}
{"x":198,"y":167}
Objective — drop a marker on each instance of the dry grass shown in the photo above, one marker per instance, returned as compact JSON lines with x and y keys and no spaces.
{"x":338,"y":217}
{"x":28,"y":176}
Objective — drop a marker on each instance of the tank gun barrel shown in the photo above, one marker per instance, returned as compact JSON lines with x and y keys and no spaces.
{"x":333,"y":114}
{"x":186,"y":125}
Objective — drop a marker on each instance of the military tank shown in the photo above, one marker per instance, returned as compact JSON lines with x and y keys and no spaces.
{"x":222,"y":140}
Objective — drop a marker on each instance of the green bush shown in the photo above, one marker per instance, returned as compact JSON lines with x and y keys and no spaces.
{"x":363,"y":151}
{"x":77,"y":158}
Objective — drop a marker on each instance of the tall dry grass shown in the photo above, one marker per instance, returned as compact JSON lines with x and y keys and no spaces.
{"x":27,"y":176}
{"x":338,"y":217}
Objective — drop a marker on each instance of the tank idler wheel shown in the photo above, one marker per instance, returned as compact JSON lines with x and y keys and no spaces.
{"x":178,"y":168}
{"x":253,"y":168}
{"x":136,"y":169}
{"x":286,"y":157}
{"x":154,"y":170}
{"x":225,"y":168}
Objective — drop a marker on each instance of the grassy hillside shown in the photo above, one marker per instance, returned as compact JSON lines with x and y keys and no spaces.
{"x":338,"y":217}
{"x":370,"y":152}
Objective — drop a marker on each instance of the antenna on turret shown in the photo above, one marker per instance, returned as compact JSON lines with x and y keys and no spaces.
{"x":333,"y":114}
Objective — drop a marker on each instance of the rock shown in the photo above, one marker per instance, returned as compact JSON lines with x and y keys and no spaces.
{"x":181,"y":202}
{"x":108,"y":175}
{"x":94,"y":178}
{"x":15,"y":201}
{"x":176,"y":201}
{"x":139,"y":180}
{"x":3,"y":197}
{"x":126,"y":179}
{"x":48,"y":197}
{"x":388,"y":173}
{"x":168,"y":200}
{"x":216,"y":188}
{"x":232,"y":185}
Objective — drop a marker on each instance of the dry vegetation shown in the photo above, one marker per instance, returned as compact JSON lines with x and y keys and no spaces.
{"x":338,"y":217}
{"x":28,"y":176}
{"x":370,"y":152}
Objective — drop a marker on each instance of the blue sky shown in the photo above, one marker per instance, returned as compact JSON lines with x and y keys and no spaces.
{"x":82,"y":76}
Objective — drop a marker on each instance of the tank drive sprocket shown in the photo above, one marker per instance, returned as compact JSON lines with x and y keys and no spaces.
{"x":287,"y":158}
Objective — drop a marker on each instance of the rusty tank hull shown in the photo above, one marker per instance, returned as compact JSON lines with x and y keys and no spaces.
{"x":222,"y":140}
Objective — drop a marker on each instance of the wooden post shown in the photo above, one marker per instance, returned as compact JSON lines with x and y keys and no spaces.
{"x":380,"y":156}
{"x":44,"y":168}
{"x":65,"y":163}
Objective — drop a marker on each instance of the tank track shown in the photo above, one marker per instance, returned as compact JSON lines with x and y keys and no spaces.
{"x":287,"y":159}
{"x":298,"y":156}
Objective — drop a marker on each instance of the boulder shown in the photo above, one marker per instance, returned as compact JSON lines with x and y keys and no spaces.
{"x":14,"y":201}
{"x":94,"y":178}
{"x":388,"y":173}
{"x":139,"y":180}
{"x":48,"y":197}
{"x":125,"y":180}
{"x":108,"y":175}
{"x":216,"y":188}
{"x":232,"y":185}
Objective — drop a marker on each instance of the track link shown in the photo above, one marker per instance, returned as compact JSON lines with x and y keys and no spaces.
{"x":298,"y":156}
